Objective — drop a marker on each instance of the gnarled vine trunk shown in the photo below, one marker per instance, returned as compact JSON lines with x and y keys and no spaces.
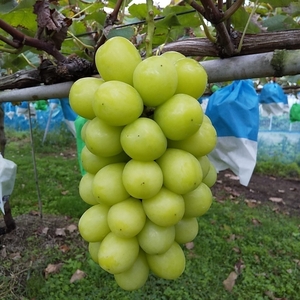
{"x":8,"y":219}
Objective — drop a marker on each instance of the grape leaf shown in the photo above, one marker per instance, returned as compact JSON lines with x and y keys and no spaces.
{"x":7,"y":5}
{"x":293,"y":9}
{"x":140,"y":11}
{"x":169,"y":21}
{"x":277,"y":3}
{"x":239,"y":20}
{"x":280,"y":22}
{"x":127,"y":32}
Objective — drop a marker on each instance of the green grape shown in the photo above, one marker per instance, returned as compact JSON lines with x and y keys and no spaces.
{"x":179,"y":117}
{"x":211,"y":177}
{"x":135,"y":277}
{"x":202,"y":142}
{"x":142,"y":179}
{"x":192,"y":77}
{"x":186,"y":230}
{"x":93,"y":163}
{"x":173,"y":56}
{"x":155,"y":78}
{"x":81,"y":96}
{"x":127,"y":218}
{"x":198,"y":201}
{"x":85,"y":189}
{"x":143,"y":140}
{"x":93,"y":248}
{"x":205,"y":165}
{"x":117,"y":103}
{"x":93,"y":226}
{"x":103,"y":139}
{"x":117,"y":59}
{"x":117,"y":254}
{"x":108,"y":186}
{"x":181,"y":171}
{"x":155,"y":239}
{"x":165,"y":208}
{"x":168,"y":265}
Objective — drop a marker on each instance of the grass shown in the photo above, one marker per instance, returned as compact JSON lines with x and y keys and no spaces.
{"x":262,"y":246}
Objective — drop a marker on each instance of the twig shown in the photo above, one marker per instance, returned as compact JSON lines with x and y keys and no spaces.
{"x":34,"y":165}
{"x":150,"y":29}
{"x":21,"y":39}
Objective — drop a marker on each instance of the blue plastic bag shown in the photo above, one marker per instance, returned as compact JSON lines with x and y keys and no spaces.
{"x":273,"y":100}
{"x":234,"y":112}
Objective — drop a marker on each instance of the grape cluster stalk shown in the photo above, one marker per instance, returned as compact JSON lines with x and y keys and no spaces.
{"x":147,"y":176}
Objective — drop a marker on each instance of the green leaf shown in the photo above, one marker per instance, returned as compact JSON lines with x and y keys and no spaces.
{"x":127,"y":32}
{"x":169,"y":21}
{"x":7,"y":5}
{"x":280,"y":22}
{"x":22,"y":18}
{"x":239,"y":20}
{"x":277,"y":3}
{"x":140,"y":11}
{"x":293,"y":9}
{"x":186,"y":16}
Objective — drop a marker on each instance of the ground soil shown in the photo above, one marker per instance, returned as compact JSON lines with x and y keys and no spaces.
{"x":282,"y":194}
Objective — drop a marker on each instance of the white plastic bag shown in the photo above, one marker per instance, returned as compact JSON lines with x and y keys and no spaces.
{"x":8,"y":172}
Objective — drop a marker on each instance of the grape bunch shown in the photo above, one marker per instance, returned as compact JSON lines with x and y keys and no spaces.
{"x":148,"y":177}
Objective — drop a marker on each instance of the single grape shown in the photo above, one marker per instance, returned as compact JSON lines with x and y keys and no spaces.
{"x":186,"y":230}
{"x":143,"y":140}
{"x":93,"y":163}
{"x":179,"y":117}
{"x":142,"y":179}
{"x":135,"y":277}
{"x":192,"y":77}
{"x":117,"y":59}
{"x":81,"y":96}
{"x":211,"y":176}
{"x":202,"y":142}
{"x":155,"y":239}
{"x":108,"y":186}
{"x":116,"y":254}
{"x":103,"y":139}
{"x":168,"y":265}
{"x":117,"y":103}
{"x":181,"y":171}
{"x":93,"y":248}
{"x":165,"y":208}
{"x":173,"y":56}
{"x":198,"y":201}
{"x":85,"y":189}
{"x":93,"y":226}
{"x":155,"y":78}
{"x":126,"y":218}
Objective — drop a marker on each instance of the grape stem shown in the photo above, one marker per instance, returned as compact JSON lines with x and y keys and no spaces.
{"x":151,"y":28}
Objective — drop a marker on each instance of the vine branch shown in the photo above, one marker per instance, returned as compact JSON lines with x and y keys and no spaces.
{"x":20,"y":39}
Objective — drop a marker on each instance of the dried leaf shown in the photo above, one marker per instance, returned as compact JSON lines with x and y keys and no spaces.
{"x":45,"y":230}
{"x":234,"y":177}
{"x":236,"y":250}
{"x":3,"y":252}
{"x":190,"y":245}
{"x":239,"y":266}
{"x":281,"y":191}
{"x":52,"y":269}
{"x":272,"y":297}
{"x":293,"y":189}
{"x":34,"y":213}
{"x":64,"y":248}
{"x":257,"y":258}
{"x":256,"y":222}
{"x":276,"y":200}
{"x":15,"y":256}
{"x":290,"y":271}
{"x":229,"y":282}
{"x":251,"y":203}
{"x":77,"y":276}
{"x":64,"y":192}
{"x":72,"y":227}
{"x":231,"y":238}
{"x":60,"y":232}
